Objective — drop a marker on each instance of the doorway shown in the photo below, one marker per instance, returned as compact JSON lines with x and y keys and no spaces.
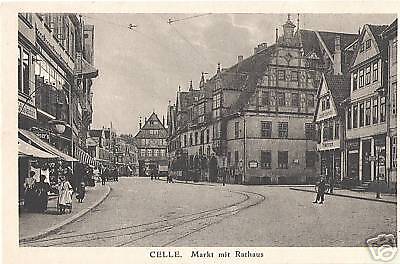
{"x":366,"y":165}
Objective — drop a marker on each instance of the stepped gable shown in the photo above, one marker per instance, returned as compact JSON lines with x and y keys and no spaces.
{"x":152,"y":123}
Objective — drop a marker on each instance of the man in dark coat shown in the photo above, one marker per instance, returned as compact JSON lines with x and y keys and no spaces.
{"x":320,"y":191}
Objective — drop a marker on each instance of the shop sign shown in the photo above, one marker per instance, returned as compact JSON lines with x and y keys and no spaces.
{"x":42,"y":134}
{"x":253,"y":164}
{"x":27,"y":110}
{"x":352,"y":145}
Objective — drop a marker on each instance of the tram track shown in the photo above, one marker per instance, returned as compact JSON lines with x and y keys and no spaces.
{"x":163,"y":232}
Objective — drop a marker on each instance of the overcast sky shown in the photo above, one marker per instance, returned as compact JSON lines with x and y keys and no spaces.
{"x":141,"y":69}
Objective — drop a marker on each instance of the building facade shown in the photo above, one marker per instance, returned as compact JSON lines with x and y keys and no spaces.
{"x":366,"y":114}
{"x":243,"y":115}
{"x":151,"y":142}
{"x":390,"y":34}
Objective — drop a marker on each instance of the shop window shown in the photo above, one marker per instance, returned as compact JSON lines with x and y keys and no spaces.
{"x":362,"y":114}
{"x":367,"y":44}
{"x":361,"y":78}
{"x":283,"y":129}
{"x":354,"y":81}
{"x":266,"y":129}
{"x":281,"y":75}
{"x":355,"y":116}
{"x":368,"y":75}
{"x":382,"y":110}
{"x":282,"y":159}
{"x":368,"y":112}
{"x":236,"y":157}
{"x":375,"y":110}
{"x":375,"y":72}
{"x":309,"y":130}
{"x":281,"y":99}
{"x":310,"y":159}
{"x":295,"y":100}
{"x":394,"y":152}
{"x":236,"y":129}
{"x":265,"y":159}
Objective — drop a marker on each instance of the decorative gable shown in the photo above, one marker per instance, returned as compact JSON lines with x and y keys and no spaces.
{"x":368,"y":46}
{"x":326,"y":107}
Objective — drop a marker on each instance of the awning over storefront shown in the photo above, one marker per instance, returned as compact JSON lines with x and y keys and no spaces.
{"x":84,"y":157}
{"x":27,"y":150}
{"x":84,"y":68}
{"x":45,"y":146}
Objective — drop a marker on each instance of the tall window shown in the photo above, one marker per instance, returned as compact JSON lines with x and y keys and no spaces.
{"x":295,"y":100}
{"x":362,"y":114}
{"x":236,"y":129}
{"x":282,"y":159}
{"x":143,"y":152}
{"x":281,"y":75}
{"x":281,"y":98}
{"x":266,"y":129}
{"x":349,"y":118}
{"x":367,"y":44}
{"x":309,"y":130}
{"x":294,"y":76}
{"x":368,"y":112}
{"x":368,"y":75}
{"x":25,"y":72}
{"x":265,"y":98}
{"x":202,"y":137}
{"x":362,"y":47}
{"x":149,"y":152}
{"x":361,"y":77}
{"x":19,"y":70}
{"x":375,"y":110}
{"x":310,"y":159}
{"x":337,"y":130}
{"x":265,"y":159}
{"x":382,"y":110}
{"x":208,"y":136}
{"x":355,"y":116}
{"x":328,"y":103}
{"x":184,"y":140}
{"x":354,"y":81}
{"x":394,"y":52}
{"x":191,"y":139}
{"x":310,"y":100}
{"x":394,"y":99}
{"x":394,"y":152}
{"x":228,"y":158}
{"x":196,"y":138}
{"x":283,"y":129}
{"x":375,"y":72}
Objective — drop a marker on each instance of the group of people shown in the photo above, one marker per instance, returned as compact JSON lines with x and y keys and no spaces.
{"x":322,"y":186}
{"x":107,"y":174}
{"x":36,"y":194}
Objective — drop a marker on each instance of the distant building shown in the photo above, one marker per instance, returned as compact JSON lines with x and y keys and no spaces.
{"x":151,"y":142}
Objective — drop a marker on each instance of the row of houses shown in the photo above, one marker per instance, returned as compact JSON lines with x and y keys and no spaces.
{"x":55,"y":76}
{"x":356,"y":112}
{"x":257,"y":117}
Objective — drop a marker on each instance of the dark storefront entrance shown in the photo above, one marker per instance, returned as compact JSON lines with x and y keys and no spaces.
{"x":353,"y":147}
{"x":366,"y":165}
{"x":330,"y":164}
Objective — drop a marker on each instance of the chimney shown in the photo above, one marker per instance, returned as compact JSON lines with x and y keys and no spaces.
{"x":240,"y":58}
{"x":163,"y":121}
{"x":337,"y":57}
{"x":140,"y":122}
{"x":276,"y":35}
{"x":219,"y":67}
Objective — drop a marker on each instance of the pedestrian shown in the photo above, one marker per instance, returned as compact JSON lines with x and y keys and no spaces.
{"x":41,"y":199}
{"x":223,"y":176}
{"x":103,"y":177}
{"x":320,"y":191}
{"x":29,"y":194}
{"x":331,"y":184}
{"x":64,"y":195}
{"x":81,"y":192}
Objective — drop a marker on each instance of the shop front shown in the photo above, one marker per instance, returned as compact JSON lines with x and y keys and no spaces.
{"x":353,"y":158}
{"x":380,"y":157}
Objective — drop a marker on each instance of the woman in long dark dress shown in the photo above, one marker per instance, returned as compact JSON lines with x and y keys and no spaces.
{"x":42,"y":198}
{"x":30,"y":194}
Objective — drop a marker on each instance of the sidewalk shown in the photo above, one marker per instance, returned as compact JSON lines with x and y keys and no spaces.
{"x":370,"y":196}
{"x":35,"y":225}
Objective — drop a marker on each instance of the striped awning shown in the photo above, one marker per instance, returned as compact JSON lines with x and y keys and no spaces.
{"x":84,"y":157}
{"x":27,"y":150}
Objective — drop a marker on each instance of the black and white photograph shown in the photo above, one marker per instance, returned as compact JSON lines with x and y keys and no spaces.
{"x":241,"y":131}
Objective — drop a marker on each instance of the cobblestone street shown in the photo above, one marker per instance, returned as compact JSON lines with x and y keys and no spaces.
{"x":141,"y":212}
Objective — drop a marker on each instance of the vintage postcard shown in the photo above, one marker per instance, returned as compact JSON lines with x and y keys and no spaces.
{"x":200,"y":133}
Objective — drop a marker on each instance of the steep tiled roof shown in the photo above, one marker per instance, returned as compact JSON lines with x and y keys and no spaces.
{"x":339,"y":86}
{"x":377,"y":31}
{"x":310,"y":42}
{"x":152,"y":123}
{"x":391,"y":28}
{"x":329,"y":39}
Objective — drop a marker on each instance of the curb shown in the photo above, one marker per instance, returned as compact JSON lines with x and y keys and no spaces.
{"x":56,"y":227}
{"x":349,"y":196}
